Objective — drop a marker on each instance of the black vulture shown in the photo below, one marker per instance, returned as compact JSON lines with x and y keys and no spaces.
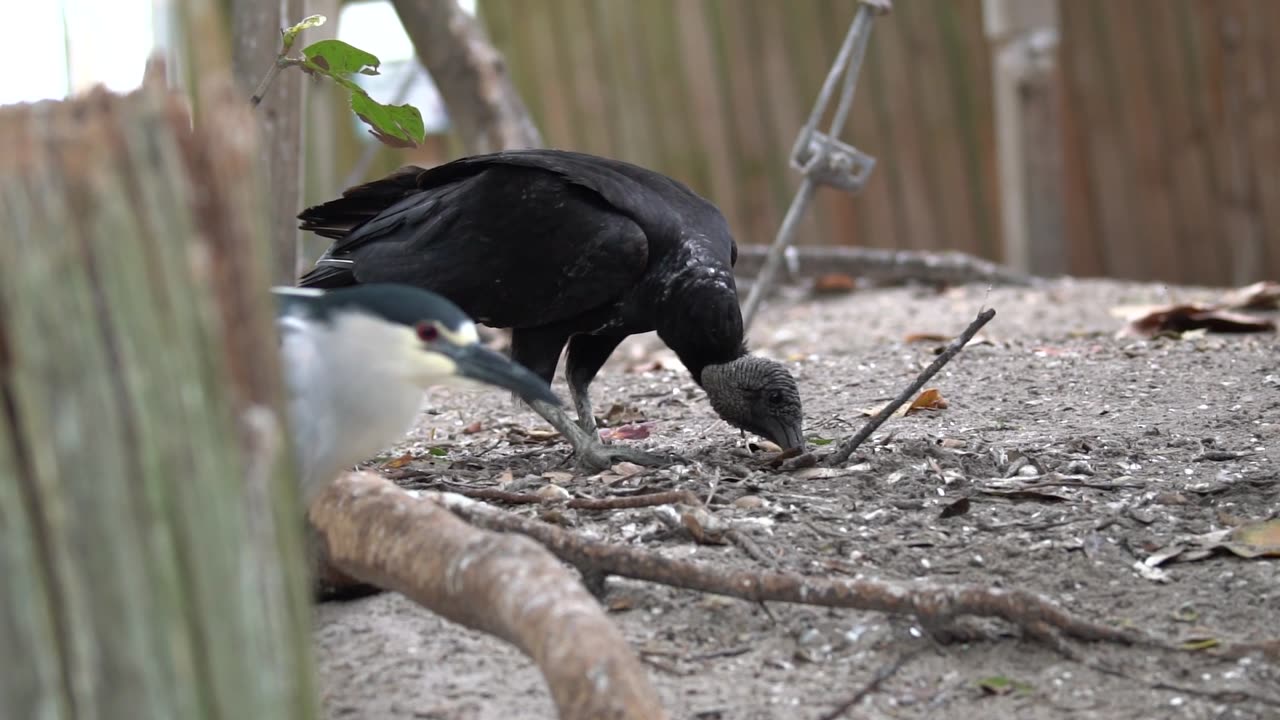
{"x":566,"y":248}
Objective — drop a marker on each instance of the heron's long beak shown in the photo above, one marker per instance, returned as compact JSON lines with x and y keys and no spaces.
{"x":479,"y":363}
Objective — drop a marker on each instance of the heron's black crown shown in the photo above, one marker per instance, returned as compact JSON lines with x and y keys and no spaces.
{"x":392,"y":302}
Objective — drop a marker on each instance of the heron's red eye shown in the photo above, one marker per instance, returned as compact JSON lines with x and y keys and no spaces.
{"x":428,"y":332}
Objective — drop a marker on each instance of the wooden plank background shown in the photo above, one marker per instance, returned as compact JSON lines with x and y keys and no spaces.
{"x":1170,"y":139}
{"x":1172,"y":109}
{"x":712,"y":92}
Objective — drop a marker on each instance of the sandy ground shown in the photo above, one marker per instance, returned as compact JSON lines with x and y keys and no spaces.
{"x":1051,"y":390}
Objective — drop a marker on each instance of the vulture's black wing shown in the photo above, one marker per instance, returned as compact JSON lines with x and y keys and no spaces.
{"x":519,"y":243}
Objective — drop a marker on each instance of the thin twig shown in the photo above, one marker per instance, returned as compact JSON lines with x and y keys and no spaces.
{"x":272,"y":71}
{"x":752,"y":548}
{"x":884,"y":673}
{"x":840,"y":456}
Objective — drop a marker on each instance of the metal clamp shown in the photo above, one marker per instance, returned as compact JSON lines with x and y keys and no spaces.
{"x":832,"y":162}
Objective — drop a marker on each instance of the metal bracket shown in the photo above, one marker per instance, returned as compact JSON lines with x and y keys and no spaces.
{"x":832,"y":162}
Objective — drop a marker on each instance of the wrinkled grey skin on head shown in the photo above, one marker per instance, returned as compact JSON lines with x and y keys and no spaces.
{"x":759,"y":396}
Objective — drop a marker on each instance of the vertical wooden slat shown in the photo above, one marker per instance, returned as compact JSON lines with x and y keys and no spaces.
{"x":557,"y":119}
{"x":1082,"y":223}
{"x":1170,"y":130}
{"x":907,"y":116}
{"x":1264,"y":126}
{"x":736,"y":65}
{"x":831,"y":20}
{"x":1106,"y":144}
{"x":873,"y":211}
{"x":778,"y":118}
{"x":1233,"y":144}
{"x":805,"y":63}
{"x":666,"y":119}
{"x":1145,"y":170}
{"x":709,"y":112}
{"x":947,"y":87}
{"x":623,"y":92}
{"x":970,"y":73}
{"x":889,"y":165}
{"x":574,"y":32}
{"x":684,"y":155}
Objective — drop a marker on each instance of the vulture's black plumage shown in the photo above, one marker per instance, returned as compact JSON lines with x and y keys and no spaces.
{"x":564,"y":247}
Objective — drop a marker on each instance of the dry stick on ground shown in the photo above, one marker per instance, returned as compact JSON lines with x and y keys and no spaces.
{"x":935,"y":605}
{"x":884,"y":673}
{"x":501,"y":584}
{"x":669,"y":497}
{"x":841,"y":455}
{"x":886,"y":266}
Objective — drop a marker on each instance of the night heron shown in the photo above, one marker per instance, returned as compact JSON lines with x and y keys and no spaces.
{"x":356,"y":362}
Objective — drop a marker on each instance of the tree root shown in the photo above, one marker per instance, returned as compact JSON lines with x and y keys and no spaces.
{"x":627,"y":502}
{"x":886,"y":266}
{"x":501,"y":584}
{"x":934,"y":605}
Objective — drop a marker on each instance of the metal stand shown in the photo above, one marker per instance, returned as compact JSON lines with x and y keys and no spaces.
{"x":822,"y":157}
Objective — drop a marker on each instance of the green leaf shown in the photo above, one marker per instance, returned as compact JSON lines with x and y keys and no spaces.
{"x":288,"y":35}
{"x":394,"y":125}
{"x":439,"y":451}
{"x":1001,"y":685}
{"x":1201,"y":644}
{"x":820,"y":440}
{"x":334,"y":57}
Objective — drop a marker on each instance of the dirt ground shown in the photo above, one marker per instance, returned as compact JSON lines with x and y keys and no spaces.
{"x":1131,"y":424}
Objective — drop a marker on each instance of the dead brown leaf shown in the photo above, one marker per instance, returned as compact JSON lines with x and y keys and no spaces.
{"x":1264,"y":295}
{"x":928,"y":399}
{"x":705,"y":528}
{"x":399,"y":462}
{"x":955,"y":508}
{"x":626,"y":432}
{"x":473,"y":428}
{"x":532,"y":436}
{"x":926,"y":337}
{"x":834,"y":284}
{"x":1255,"y":540}
{"x":1179,"y":319}
{"x":552,"y":492}
{"x":558,"y":477}
{"x":620,"y":414}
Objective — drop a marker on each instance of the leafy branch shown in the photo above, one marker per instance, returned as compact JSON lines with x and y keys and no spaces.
{"x":394,"y":125}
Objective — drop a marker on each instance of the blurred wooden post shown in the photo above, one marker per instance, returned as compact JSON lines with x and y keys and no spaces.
{"x":484,"y":107}
{"x":150,"y":534}
{"x":1023,"y":35}
{"x":255,"y":32}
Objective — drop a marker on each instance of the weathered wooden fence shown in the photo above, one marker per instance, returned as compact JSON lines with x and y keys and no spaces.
{"x":1172,"y":117}
{"x":1169,"y":136}
{"x":713,"y":92}
{"x":150,"y":543}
